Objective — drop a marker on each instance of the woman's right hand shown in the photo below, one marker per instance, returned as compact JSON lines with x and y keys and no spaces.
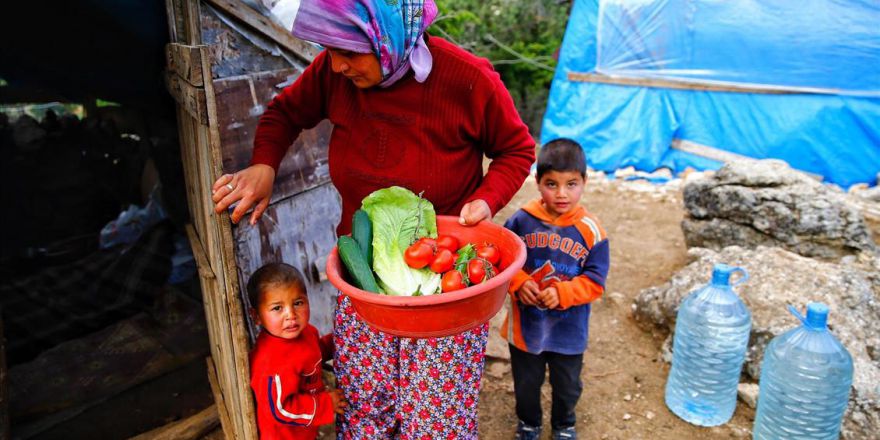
{"x":250,"y":187}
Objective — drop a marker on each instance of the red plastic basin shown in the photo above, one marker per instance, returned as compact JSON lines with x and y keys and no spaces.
{"x":445,"y":314}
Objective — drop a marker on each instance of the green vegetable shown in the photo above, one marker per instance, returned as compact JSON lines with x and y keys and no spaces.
{"x":362,"y":232}
{"x":399,"y":219}
{"x":357,"y":266}
{"x":467,"y":253}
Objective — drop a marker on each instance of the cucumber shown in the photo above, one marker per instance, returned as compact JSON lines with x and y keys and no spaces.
{"x":362,"y":232}
{"x":353,"y":259}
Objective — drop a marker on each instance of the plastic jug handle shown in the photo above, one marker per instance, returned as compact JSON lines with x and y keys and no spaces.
{"x":742,"y":279}
{"x":797,"y":314}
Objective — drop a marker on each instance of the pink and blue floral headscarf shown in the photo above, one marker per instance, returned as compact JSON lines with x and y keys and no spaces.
{"x":391,"y":29}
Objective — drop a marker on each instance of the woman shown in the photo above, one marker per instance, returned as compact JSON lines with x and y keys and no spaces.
{"x":410,"y":110}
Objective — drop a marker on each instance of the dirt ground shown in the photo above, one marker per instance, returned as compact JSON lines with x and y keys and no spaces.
{"x":623,"y":376}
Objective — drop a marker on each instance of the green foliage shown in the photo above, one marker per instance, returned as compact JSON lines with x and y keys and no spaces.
{"x":519,"y":37}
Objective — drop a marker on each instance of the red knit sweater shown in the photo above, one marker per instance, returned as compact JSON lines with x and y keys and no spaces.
{"x":427,"y":136}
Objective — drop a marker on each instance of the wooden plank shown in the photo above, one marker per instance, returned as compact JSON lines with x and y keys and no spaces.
{"x":267,"y":27}
{"x":218,"y":398}
{"x":190,"y":428}
{"x":170,"y":14}
{"x":241,"y":101}
{"x":684,"y":85}
{"x":190,"y":97}
{"x":245,"y":413}
{"x":217,"y":316}
{"x":192,"y":22}
{"x":177,"y":26}
{"x":720,"y":155}
{"x":186,"y":62}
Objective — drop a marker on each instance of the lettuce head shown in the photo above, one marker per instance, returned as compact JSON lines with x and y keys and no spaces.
{"x":399,"y":218}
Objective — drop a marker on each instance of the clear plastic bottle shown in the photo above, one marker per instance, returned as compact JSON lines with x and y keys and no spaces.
{"x":709,"y":347}
{"x":805,"y":382}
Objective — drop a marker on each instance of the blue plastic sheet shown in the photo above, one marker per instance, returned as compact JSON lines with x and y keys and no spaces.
{"x":826,"y":51}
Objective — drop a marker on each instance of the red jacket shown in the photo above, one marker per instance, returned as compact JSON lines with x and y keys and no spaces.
{"x":287,"y":384}
{"x":427,"y":136}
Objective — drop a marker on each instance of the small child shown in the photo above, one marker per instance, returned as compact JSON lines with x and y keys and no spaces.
{"x":286,"y":360}
{"x":548,"y":319}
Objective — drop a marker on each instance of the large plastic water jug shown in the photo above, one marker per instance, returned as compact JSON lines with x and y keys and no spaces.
{"x":711,"y":338}
{"x":805,"y":382}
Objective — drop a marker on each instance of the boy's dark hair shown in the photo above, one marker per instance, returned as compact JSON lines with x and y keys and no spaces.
{"x":561,"y":155}
{"x":273,"y":274}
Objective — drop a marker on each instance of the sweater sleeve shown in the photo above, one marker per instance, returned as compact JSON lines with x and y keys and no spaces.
{"x":506,"y":140}
{"x":590,"y":284}
{"x":300,"y":106}
{"x":297,"y":409}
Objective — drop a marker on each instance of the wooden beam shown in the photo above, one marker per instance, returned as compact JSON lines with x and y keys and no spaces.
{"x":186,"y":62}
{"x":191,"y":428}
{"x":720,"y":155}
{"x":267,"y":27}
{"x":191,"y":98}
{"x":239,"y":386}
{"x":664,"y":83}
{"x":219,"y":401}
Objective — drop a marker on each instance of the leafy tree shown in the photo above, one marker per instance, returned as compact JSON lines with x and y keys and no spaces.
{"x":519,"y":37}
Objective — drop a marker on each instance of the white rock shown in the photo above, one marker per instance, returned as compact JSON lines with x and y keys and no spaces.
{"x":627,"y":416}
{"x":748,"y":393}
{"x":616,"y":298}
{"x":650,"y":415}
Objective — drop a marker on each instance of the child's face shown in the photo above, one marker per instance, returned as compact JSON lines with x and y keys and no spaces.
{"x":283,"y":310}
{"x":561,"y":191}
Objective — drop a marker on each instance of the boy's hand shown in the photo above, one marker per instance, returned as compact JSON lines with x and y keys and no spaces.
{"x":528,"y":293}
{"x":339,"y":402}
{"x":549,"y":297}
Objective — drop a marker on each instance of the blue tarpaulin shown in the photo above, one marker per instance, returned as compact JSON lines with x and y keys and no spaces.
{"x":798,"y":81}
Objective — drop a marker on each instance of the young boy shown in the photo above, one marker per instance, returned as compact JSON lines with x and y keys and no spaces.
{"x":286,"y":360}
{"x":565,"y":269}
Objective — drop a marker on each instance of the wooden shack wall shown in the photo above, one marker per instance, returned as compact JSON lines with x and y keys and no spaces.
{"x":222,"y":72}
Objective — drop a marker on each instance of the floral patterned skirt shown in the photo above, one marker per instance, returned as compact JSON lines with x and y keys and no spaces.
{"x":406,"y":388}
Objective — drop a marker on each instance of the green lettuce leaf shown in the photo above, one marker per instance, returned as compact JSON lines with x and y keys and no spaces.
{"x":400,"y":217}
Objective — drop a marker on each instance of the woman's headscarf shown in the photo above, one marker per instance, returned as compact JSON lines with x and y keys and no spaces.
{"x":391,"y":29}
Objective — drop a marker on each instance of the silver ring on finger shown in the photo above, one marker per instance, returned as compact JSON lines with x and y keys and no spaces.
{"x":230,"y":187}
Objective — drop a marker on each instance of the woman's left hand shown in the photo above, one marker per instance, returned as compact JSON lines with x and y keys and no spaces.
{"x":474,"y":212}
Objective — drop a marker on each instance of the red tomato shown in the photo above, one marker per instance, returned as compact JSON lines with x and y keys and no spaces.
{"x":418,"y":255}
{"x":452,"y":280}
{"x":489,"y":252}
{"x":447,"y":242}
{"x":429,"y":241}
{"x":443,"y":261}
{"x":477,"y":270}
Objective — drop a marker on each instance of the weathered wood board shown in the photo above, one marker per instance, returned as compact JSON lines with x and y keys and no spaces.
{"x":230,"y":55}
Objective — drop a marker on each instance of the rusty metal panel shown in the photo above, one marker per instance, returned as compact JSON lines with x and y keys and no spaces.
{"x":299,"y":231}
{"x":240,"y":102}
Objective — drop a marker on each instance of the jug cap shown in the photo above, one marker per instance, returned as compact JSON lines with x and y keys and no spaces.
{"x":721,"y":274}
{"x":817,"y":315}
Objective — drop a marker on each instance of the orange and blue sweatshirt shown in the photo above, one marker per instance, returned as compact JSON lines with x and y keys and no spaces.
{"x":570,"y":253}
